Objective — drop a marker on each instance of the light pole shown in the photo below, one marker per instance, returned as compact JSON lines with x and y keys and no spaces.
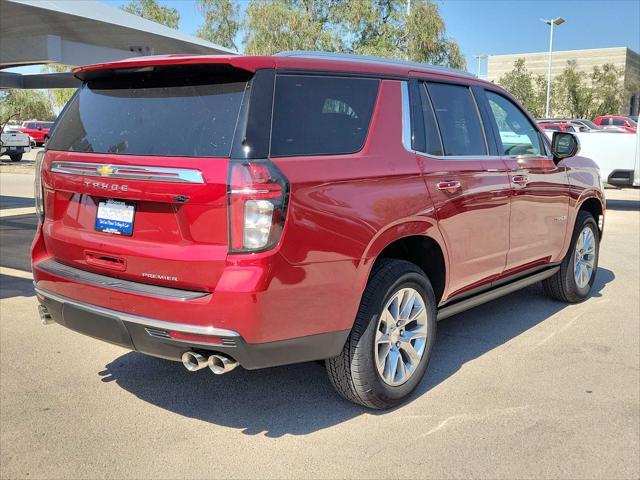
{"x":551,"y":22}
{"x":480,"y":58}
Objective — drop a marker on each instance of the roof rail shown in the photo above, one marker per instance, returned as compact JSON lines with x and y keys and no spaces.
{"x":369,"y":59}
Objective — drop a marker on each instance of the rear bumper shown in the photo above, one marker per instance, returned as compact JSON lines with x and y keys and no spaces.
{"x":11,"y":150}
{"x":154,"y":337}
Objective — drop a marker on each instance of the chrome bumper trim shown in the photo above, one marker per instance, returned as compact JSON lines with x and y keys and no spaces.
{"x":147,"y":322}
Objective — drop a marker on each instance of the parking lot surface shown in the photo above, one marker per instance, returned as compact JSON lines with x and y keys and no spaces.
{"x":523,"y":387}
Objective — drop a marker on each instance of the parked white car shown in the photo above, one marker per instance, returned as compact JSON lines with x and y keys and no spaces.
{"x":618,"y":156}
{"x":14,"y":144}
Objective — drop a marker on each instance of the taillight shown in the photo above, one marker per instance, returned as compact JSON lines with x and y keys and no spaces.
{"x":38,"y":193}
{"x":258,"y":194}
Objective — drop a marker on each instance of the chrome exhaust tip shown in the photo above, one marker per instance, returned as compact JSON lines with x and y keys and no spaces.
{"x":193,"y":361}
{"x":220,"y":364}
{"x":45,"y":316}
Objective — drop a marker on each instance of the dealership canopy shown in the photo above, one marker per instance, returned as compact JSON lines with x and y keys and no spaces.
{"x":79,"y":32}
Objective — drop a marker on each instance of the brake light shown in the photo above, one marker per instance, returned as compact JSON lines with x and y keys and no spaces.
{"x":38,"y":193}
{"x":258,"y":194}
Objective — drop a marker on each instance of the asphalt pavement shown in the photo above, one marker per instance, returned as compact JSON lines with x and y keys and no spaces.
{"x":523,"y":387}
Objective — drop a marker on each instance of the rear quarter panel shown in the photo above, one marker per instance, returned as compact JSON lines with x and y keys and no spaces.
{"x":344,"y":209}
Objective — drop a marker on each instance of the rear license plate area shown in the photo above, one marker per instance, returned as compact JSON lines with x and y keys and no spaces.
{"x":115,"y":217}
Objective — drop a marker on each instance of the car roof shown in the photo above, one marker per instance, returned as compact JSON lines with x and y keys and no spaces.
{"x":295,"y":60}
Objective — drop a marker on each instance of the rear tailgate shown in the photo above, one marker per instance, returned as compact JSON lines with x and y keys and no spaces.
{"x":179,"y":233}
{"x":12,"y":138}
{"x":135,"y":176}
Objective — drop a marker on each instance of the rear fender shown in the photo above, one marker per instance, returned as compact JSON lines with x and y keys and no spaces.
{"x":402,"y":229}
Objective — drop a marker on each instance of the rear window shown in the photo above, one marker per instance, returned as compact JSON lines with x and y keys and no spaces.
{"x":191,"y":116}
{"x":321,"y":115}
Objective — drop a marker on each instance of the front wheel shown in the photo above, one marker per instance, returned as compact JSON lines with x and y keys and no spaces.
{"x":388,"y":350}
{"x":573,"y":282}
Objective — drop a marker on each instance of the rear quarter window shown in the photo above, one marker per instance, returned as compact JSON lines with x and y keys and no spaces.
{"x":321,"y":115}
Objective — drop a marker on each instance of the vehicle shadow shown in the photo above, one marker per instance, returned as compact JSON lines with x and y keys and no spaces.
{"x":15,"y":287}
{"x":298,"y":399}
{"x":10,"y":201}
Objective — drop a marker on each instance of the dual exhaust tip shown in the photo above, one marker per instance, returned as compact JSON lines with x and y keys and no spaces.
{"x":218,"y":364}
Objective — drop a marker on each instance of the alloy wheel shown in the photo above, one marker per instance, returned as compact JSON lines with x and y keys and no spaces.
{"x":401,"y":336}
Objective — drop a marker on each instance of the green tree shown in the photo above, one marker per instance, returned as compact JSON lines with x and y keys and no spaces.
{"x":366,"y":27}
{"x":608,"y":90}
{"x":385,"y":28}
{"x":571,"y":94}
{"x":152,"y":10}
{"x":272,"y":26}
{"x":530,"y":90}
{"x":221,"y":22}
{"x":426,"y":39}
{"x":59,"y":96}
{"x":25,"y":105}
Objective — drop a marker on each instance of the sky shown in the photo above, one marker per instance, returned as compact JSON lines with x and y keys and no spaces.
{"x":508,"y":26}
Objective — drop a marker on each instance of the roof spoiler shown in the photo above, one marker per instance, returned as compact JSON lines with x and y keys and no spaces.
{"x":165,"y":63}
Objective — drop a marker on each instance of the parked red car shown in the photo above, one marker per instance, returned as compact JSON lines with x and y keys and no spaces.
{"x":557,"y":127}
{"x":261,"y":211}
{"x":617,"y":121}
{"x":37,"y":130}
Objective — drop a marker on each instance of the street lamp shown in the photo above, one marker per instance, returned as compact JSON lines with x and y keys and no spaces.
{"x":480,"y":57}
{"x":551,"y":22}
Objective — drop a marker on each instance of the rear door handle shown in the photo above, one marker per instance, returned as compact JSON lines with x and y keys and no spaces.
{"x":520,"y":180}
{"x":451,"y":186}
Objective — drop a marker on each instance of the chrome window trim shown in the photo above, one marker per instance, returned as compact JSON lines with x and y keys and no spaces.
{"x":406,"y":133}
{"x":406,"y":117}
{"x":146,"y":321}
{"x":129,"y":172}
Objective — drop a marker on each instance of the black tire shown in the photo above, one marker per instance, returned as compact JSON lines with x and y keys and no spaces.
{"x":16,"y":158}
{"x":563,"y":286}
{"x":353,"y":373}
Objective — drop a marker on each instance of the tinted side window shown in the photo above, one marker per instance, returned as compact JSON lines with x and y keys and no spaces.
{"x":458,"y":119}
{"x":321,"y":115}
{"x":617,"y":121}
{"x":433,"y":142}
{"x":604,"y":121}
{"x":518,"y":136}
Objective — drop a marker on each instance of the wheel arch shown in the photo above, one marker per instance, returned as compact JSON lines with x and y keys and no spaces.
{"x":594,"y":206}
{"x":418,"y":242}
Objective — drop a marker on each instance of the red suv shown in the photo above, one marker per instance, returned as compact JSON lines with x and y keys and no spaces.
{"x":617,"y":121}
{"x":37,"y":130}
{"x":261,"y":211}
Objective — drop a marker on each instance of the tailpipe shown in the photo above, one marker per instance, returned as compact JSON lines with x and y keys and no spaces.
{"x":220,"y":364}
{"x":45,"y":316}
{"x":193,"y":361}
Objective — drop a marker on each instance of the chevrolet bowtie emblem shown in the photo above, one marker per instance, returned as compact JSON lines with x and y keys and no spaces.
{"x":104,"y":170}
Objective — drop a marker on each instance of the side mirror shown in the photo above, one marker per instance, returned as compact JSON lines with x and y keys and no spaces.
{"x":583,"y":129}
{"x":564,"y":145}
